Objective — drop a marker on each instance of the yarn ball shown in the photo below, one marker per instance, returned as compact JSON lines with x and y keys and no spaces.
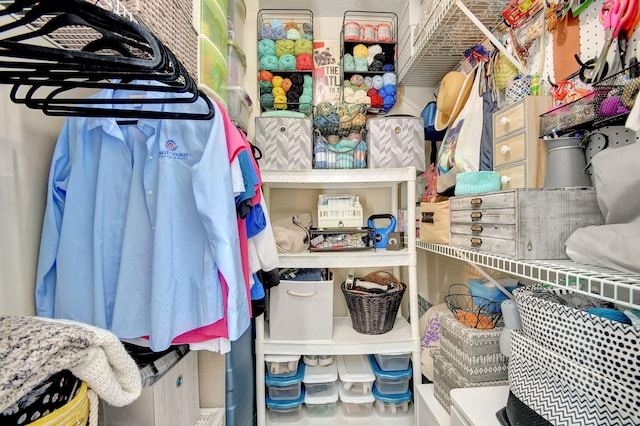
{"x":372,"y":92}
{"x":346,"y":145}
{"x":380,"y":57}
{"x":376,"y":65}
{"x":361,"y":64}
{"x":377,"y":82}
{"x":266,"y":46}
{"x":265,"y":87}
{"x":287,"y":62}
{"x":280,"y":102}
{"x":357,"y":80}
{"x":304,"y":61}
{"x":387,"y":90}
{"x":266,"y":100}
{"x":278,"y":91}
{"x":359,"y":95}
{"x":307,"y":91}
{"x":266,"y":32}
{"x":373,"y":51}
{"x":293,"y":97}
{"x":388,"y":68}
{"x":360,"y":50}
{"x":348,"y":63}
{"x":365,"y":100}
{"x":354,"y":136}
{"x":286,"y":84}
{"x":277,"y":81}
{"x":307,"y":36}
{"x":284,"y":47}
{"x":275,"y":23}
{"x":368,"y":80}
{"x":296,"y":79}
{"x":269,"y":62}
{"x":358,"y":120}
{"x":388,"y":102}
{"x":303,"y":46}
{"x":389,"y":78}
{"x":307,"y":28}
{"x":612,"y":105}
{"x":308,"y":81}
{"x":291,"y":25}
{"x":293,"y":34}
{"x":279,"y":33}
{"x":376,"y":101}
{"x":265,"y":75}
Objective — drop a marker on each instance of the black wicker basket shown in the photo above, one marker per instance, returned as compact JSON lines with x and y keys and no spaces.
{"x":373,"y":313}
{"x":472,"y":311}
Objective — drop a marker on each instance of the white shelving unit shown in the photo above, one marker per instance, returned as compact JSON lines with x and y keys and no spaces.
{"x":603,"y":283}
{"x":404,"y":337}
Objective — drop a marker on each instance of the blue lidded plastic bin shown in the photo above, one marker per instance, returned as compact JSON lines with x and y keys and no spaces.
{"x":390,"y":382}
{"x":392,"y":405}
{"x":285,"y":388}
{"x":481,"y":287}
{"x":285,"y":410}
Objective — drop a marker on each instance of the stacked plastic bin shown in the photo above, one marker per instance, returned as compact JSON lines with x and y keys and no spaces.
{"x":468,"y":357}
{"x":391,"y":388}
{"x":285,"y":393}
{"x":321,"y":385}
{"x":356,"y":385}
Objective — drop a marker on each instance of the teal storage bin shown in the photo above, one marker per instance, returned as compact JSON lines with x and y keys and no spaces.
{"x":390,"y":382}
{"x":480,"y":287}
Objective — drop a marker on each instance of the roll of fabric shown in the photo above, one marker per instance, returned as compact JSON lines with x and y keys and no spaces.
{"x":269,"y":63}
{"x":303,"y":46}
{"x":360,"y":51}
{"x":266,"y":47}
{"x":293,"y":34}
{"x":304,"y":61}
{"x":284,"y":47}
{"x":348,"y":63}
{"x":287,"y":62}
{"x":265,"y":75}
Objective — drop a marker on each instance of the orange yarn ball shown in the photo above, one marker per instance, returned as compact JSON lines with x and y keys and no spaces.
{"x":265,"y":75}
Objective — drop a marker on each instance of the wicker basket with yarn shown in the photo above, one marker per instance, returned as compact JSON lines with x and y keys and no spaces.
{"x":339,"y":118}
{"x":374,"y":313}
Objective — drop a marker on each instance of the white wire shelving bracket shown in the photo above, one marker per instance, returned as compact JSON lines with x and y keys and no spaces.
{"x":606,"y":284}
{"x":447,"y":34}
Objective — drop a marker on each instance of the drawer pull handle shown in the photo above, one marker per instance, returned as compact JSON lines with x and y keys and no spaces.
{"x":476,"y":201}
{"x":505,"y":121}
{"x":476,"y":215}
{"x":179,"y":381}
{"x":476,"y":242}
{"x":505,"y":180}
{"x":477,"y":229}
{"x":505,"y":149}
{"x":298,"y":294}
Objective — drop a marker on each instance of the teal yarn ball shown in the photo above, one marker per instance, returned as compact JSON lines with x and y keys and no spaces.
{"x":266,"y":47}
{"x":270,"y":63}
{"x":287,"y":62}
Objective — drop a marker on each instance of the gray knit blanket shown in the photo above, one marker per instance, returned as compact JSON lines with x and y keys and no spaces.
{"x":33,"y":348}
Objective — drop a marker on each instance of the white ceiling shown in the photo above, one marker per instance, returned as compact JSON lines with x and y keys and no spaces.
{"x":336,"y":7}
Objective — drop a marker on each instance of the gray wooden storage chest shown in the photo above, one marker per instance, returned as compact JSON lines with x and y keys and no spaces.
{"x":522,"y":223}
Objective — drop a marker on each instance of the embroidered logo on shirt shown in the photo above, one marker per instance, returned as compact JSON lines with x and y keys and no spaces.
{"x":172,"y":152}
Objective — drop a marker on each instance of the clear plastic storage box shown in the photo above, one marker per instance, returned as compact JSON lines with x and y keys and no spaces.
{"x":321,"y":406}
{"x":356,"y":405}
{"x":356,"y":375}
{"x":285,"y":388}
{"x":392,"y":405}
{"x":393,"y":362}
{"x":285,"y":411}
{"x":390,"y":382}
{"x":320,"y":381}
{"x":282,"y":365}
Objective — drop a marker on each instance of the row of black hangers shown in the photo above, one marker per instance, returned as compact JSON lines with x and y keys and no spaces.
{"x":119,"y":54}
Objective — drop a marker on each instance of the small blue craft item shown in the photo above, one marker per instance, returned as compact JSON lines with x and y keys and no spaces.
{"x":348,"y":63}
{"x":610,"y":314}
{"x":269,"y":63}
{"x":287,"y":62}
{"x":361,"y":64}
{"x":284,"y":47}
{"x":266,"y":47}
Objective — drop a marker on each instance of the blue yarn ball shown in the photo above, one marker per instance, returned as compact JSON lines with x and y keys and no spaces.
{"x":388,"y":67}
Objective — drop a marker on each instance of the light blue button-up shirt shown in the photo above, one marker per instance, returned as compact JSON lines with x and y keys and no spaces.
{"x":139,"y":221}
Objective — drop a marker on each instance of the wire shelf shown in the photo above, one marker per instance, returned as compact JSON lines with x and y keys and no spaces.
{"x":595,"y":281}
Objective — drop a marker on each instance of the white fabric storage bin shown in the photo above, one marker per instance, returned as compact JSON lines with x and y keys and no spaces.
{"x":321,"y":406}
{"x":301,"y":310}
{"x":285,"y":142}
{"x":320,"y":381}
{"x":356,"y":375}
{"x":356,"y":406}
{"x":282,"y":365}
{"x":396,"y":141}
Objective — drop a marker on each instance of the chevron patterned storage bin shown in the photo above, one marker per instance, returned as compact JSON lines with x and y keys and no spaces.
{"x":566,"y":393}
{"x":285,"y":142}
{"x":604,"y":347}
{"x":396,"y":142}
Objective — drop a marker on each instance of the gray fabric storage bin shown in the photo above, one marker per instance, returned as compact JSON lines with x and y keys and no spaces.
{"x":285,"y":142}
{"x":396,"y":141}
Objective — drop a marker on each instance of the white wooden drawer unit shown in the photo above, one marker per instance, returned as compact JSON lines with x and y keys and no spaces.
{"x":518,"y":154}
{"x":174,"y":400}
{"x":522,"y":223}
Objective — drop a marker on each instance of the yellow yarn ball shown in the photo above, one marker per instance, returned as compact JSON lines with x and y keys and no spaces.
{"x":278,"y":91}
{"x":359,"y":51}
{"x":280,"y":102}
{"x":277,"y":81}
